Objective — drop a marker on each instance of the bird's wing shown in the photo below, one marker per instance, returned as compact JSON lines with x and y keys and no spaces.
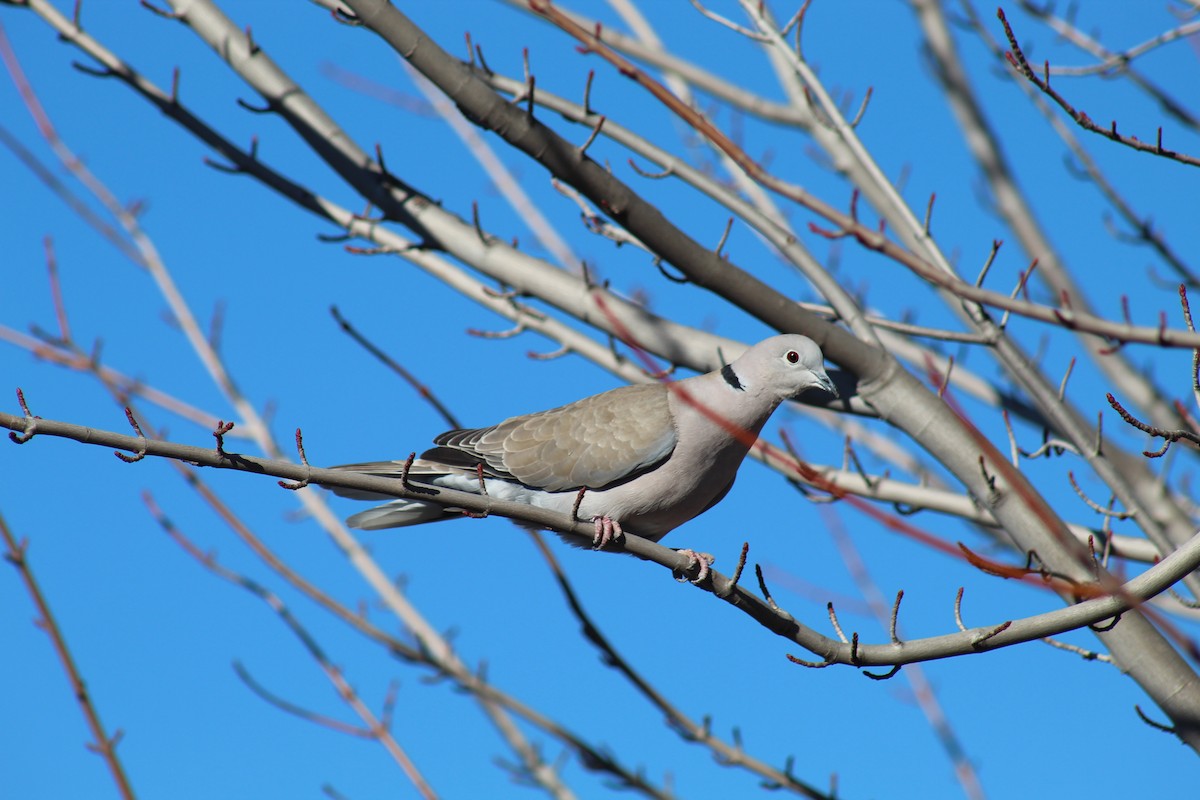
{"x":596,"y":442}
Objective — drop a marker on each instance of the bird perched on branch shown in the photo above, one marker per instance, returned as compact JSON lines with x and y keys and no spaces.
{"x":643,"y":459}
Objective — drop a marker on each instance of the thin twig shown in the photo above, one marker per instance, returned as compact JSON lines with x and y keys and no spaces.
{"x":17,"y":554}
{"x":376,"y":730}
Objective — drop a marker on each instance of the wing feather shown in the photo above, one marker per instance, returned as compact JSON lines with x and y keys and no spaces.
{"x":595,"y":443}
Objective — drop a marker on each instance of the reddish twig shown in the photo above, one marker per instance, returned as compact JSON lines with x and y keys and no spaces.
{"x":218,"y":433}
{"x":376,"y":729}
{"x":1169,"y":436}
{"x":140,"y":453}
{"x":293,"y":486}
{"x":30,"y":429}
{"x":103,"y":744}
{"x":1017,"y":59}
{"x":60,"y":310}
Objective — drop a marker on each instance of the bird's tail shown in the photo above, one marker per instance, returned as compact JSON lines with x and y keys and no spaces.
{"x":396,"y":512}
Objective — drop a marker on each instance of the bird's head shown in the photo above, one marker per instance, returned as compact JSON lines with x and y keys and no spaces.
{"x":783,"y":366}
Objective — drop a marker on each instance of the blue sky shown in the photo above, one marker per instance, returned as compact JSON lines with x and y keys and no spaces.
{"x":155,"y":634}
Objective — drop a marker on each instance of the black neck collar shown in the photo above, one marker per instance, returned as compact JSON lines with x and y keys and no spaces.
{"x":731,"y":378}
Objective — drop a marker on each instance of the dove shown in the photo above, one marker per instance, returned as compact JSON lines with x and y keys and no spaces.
{"x":639,"y":459}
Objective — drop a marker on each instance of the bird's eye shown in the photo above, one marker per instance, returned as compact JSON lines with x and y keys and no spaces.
{"x":792,"y":356}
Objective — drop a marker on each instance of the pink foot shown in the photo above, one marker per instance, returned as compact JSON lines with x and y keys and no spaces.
{"x":608,"y":531}
{"x":697,"y":561}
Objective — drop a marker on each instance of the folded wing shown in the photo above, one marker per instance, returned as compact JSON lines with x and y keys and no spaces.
{"x":597,"y":442}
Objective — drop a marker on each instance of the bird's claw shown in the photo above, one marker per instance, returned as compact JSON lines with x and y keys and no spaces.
{"x":697,"y":561}
{"x":608,"y":532}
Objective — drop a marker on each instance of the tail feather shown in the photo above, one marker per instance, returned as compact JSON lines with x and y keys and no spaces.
{"x":398,"y":514}
{"x":360,"y":494}
{"x":421,"y":472}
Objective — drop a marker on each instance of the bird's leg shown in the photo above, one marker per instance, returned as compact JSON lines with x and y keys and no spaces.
{"x":608,"y":531}
{"x":698,"y":561}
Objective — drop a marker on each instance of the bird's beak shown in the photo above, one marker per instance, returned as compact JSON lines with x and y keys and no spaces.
{"x":827,"y":384}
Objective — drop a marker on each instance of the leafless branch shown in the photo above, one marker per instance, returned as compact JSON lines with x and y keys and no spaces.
{"x":17,"y":554}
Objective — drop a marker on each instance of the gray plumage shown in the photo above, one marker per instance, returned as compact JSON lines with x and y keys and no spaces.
{"x":648,"y":457}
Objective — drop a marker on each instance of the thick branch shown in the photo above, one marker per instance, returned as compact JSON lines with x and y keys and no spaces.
{"x":971,"y":640}
{"x":897,"y":396}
